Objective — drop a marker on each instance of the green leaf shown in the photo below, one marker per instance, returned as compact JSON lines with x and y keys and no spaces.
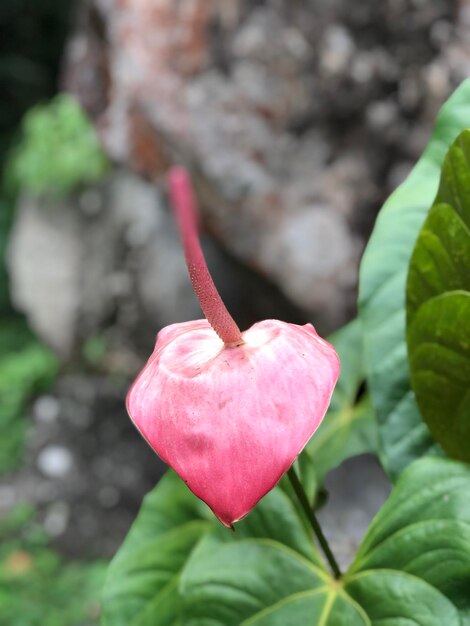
{"x":439,"y":352}
{"x":441,"y":257}
{"x":404,"y":435}
{"x":438,"y":307}
{"x":227,"y":584}
{"x":324,"y":606}
{"x":264,"y":583}
{"x":276,"y":518}
{"x":349,"y":428}
{"x":179,"y":566}
{"x":423,"y":530}
{"x":143,"y":582}
{"x":348,"y":342}
{"x":342,"y":435}
{"x":391,"y":598}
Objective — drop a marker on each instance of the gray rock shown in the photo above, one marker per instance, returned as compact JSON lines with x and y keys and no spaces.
{"x":108,"y":496}
{"x":315,"y":258}
{"x":54,"y":461}
{"x":56,"y":518}
{"x":337,"y":49}
{"x":7,"y":498}
{"x":44,"y":259}
{"x":287,"y":111}
{"x":160,"y":278}
{"x":73,"y":268}
{"x":46,"y":409}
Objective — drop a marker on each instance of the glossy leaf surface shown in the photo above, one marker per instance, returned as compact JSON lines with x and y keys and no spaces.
{"x":143,"y":582}
{"x":424,"y":530}
{"x":403,"y":433}
{"x":180,"y":566}
{"x":438,"y":307}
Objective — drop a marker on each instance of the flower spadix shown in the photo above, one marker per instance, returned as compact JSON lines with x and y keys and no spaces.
{"x":229,"y":411}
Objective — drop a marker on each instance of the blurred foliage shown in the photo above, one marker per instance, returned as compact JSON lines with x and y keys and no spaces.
{"x":26,"y":368}
{"x":94,"y":351}
{"x":59,"y":149}
{"x":39,"y":588}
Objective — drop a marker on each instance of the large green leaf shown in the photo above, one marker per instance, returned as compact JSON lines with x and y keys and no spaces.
{"x":412,"y":568}
{"x":323,"y":606}
{"x":423,"y":530}
{"x":404,"y":435}
{"x":441,"y":256}
{"x":349,"y":427}
{"x":264,"y":583}
{"x":391,"y":598}
{"x":225,"y":584}
{"x":143,"y":582}
{"x":439,"y":352}
{"x":180,"y":567}
{"x":438,"y":307}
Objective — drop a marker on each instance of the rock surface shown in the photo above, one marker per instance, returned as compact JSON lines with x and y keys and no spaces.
{"x":44,"y":257}
{"x":108,"y":257}
{"x":296,"y":117}
{"x":107,"y":262}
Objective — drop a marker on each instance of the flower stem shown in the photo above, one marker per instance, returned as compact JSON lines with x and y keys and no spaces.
{"x":303,"y":500}
{"x":184,"y":205}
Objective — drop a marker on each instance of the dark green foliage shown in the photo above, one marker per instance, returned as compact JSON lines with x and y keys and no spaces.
{"x":403,"y":433}
{"x":180,"y":566}
{"x":144,"y":579}
{"x":438,"y":301}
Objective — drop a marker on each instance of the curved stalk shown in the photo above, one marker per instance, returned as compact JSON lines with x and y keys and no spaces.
{"x":184,"y":205}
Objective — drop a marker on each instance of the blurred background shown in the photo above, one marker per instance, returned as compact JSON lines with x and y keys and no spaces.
{"x":296,"y":117}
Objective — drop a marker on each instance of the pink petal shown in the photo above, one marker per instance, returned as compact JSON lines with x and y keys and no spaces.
{"x":232,"y":420}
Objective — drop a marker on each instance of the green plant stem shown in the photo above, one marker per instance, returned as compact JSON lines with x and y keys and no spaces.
{"x":303,"y":500}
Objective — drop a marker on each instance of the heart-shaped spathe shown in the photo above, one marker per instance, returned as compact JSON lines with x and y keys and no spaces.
{"x":232,"y":420}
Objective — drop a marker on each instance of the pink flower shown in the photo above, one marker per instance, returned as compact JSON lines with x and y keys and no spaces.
{"x":229,"y":411}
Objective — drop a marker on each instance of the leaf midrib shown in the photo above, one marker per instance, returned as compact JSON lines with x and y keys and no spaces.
{"x":332,"y":595}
